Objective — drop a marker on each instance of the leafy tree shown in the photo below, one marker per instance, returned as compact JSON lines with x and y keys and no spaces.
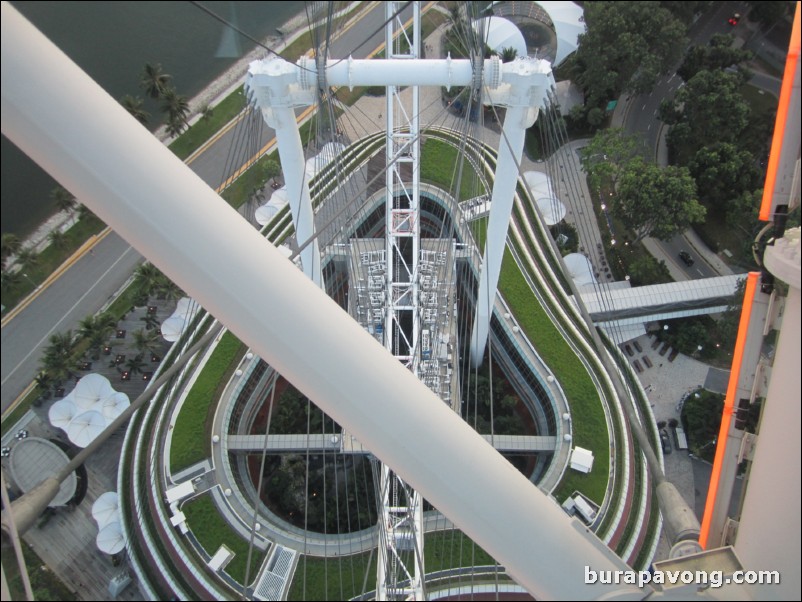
{"x":707,"y":110}
{"x":742,"y":214}
{"x":768,"y":12}
{"x":134,"y":105}
{"x":717,"y":55}
{"x":270,"y":169}
{"x":645,"y":269}
{"x":626,"y":47}
{"x":728,"y":321}
{"x":607,"y":155}
{"x":11,"y":245}
{"x":685,"y":11}
{"x":701,"y":416}
{"x":153,"y":80}
{"x":64,"y":199}
{"x":656,"y":202}
{"x":722,"y":172}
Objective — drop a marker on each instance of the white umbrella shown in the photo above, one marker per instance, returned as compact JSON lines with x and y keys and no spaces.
{"x":106,"y":508}
{"x":62,"y":412}
{"x":111,"y":539}
{"x":114,"y":405}
{"x":85,"y":427}
{"x":552,"y":210}
{"x":568,"y":24}
{"x":90,"y":390}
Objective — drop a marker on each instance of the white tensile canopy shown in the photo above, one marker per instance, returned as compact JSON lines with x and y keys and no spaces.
{"x":106,"y":508}
{"x":552,"y":210}
{"x":538,"y":183}
{"x":501,"y":33}
{"x":579,"y":268}
{"x":114,"y":405}
{"x":91,"y":389}
{"x":568,"y":24}
{"x":62,"y":412}
{"x":277,"y":201}
{"x":110,"y":539}
{"x":85,"y":427}
{"x":173,"y":326}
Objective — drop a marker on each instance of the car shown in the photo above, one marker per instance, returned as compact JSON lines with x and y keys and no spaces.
{"x":665,"y":441}
{"x":686,"y":258}
{"x":733,"y":20}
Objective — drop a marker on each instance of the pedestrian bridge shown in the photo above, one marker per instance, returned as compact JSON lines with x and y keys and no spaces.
{"x":620,"y":308}
{"x":297,"y":443}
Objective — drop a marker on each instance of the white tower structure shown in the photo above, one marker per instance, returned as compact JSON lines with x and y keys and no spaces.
{"x":401,"y":507}
{"x":521,"y":86}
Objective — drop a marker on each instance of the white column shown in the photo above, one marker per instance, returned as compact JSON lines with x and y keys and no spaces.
{"x":504,"y":183}
{"x":273,"y":84}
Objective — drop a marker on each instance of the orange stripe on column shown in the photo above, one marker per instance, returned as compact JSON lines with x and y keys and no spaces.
{"x":782,"y":116}
{"x":729,"y":405}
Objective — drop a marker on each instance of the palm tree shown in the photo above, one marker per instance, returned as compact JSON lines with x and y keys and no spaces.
{"x":508,"y":54}
{"x":167,"y":289}
{"x":58,"y":358}
{"x":58,"y":239}
{"x":174,"y":127}
{"x":9,"y":280}
{"x":177,"y":108}
{"x":153,"y":80}
{"x":134,"y":105}
{"x":96,"y":329}
{"x":147,"y":341}
{"x":27,"y":258}
{"x":135,"y":364}
{"x":11,"y":245}
{"x":44,"y":381}
{"x":146,"y":278}
{"x":64,"y":199}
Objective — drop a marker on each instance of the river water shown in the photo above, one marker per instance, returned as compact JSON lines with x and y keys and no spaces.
{"x":112,"y":41}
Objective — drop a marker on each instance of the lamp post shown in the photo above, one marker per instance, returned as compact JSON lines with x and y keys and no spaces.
{"x":35,"y":286}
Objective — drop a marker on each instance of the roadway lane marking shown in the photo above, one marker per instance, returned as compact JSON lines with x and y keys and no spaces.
{"x":78,"y":302}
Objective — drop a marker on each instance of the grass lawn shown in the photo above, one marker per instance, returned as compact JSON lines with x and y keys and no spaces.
{"x":212,"y":530}
{"x":190,"y":443}
{"x":589,"y":425}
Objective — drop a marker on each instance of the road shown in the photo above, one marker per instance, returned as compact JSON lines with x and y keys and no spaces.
{"x":88,"y":284}
{"x":92,"y":279}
